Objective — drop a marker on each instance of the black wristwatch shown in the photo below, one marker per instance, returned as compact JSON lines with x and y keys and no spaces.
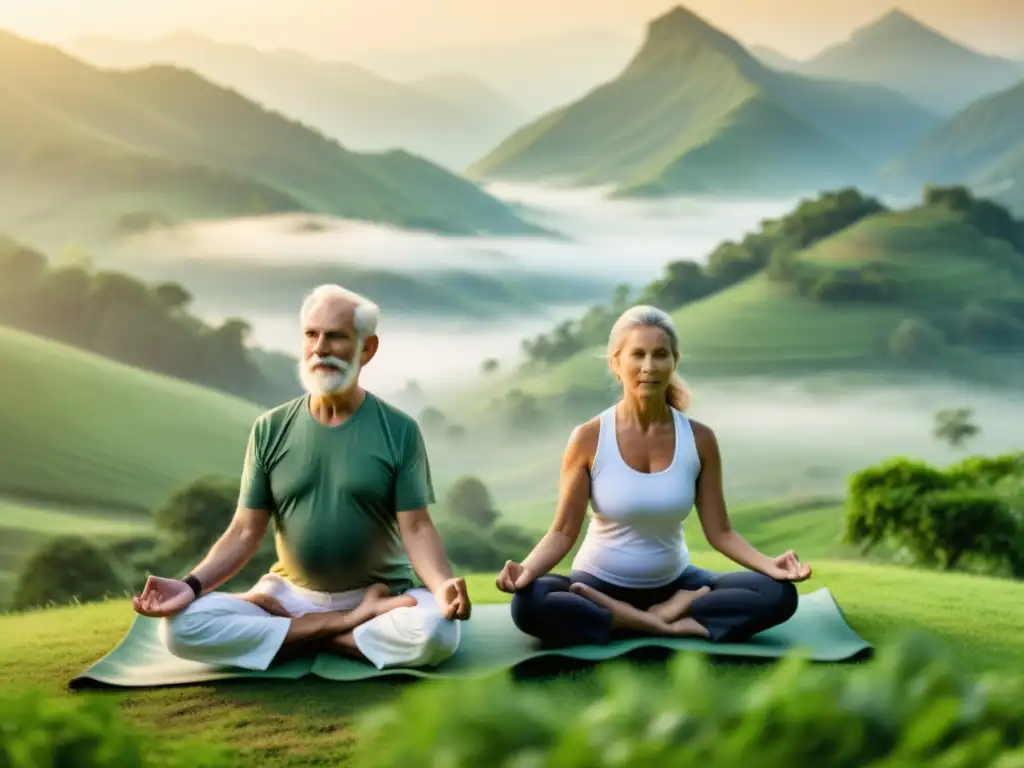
{"x":194,"y":583}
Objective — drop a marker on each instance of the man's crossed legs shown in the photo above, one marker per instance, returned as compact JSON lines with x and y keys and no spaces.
{"x":243,"y":631}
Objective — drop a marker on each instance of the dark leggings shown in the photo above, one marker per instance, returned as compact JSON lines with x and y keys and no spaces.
{"x":740,"y":605}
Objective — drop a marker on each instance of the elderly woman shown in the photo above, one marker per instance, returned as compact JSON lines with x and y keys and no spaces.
{"x":642,"y":466}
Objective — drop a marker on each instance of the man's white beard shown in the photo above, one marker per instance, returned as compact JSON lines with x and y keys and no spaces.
{"x":338,"y":377}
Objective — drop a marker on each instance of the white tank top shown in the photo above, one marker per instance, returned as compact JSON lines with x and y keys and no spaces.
{"x":635,"y":537}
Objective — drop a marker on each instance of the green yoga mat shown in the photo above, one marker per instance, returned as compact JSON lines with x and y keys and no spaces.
{"x":490,"y":642}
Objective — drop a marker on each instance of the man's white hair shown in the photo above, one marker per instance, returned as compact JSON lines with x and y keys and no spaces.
{"x":367,"y":313}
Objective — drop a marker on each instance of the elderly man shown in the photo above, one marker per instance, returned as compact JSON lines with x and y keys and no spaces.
{"x":345,"y":478}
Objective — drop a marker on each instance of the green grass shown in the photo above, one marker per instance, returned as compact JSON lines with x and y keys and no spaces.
{"x":310,"y":722}
{"x":83,"y":430}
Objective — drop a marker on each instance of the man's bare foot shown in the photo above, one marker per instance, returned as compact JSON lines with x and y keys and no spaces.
{"x":677,"y":606}
{"x":629,"y":617}
{"x":271,"y":605}
{"x":377,"y":601}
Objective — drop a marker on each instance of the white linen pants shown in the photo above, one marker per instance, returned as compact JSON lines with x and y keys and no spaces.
{"x":220,"y":629}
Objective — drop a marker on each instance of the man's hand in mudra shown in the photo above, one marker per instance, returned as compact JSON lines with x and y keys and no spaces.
{"x":452,"y":599}
{"x":163,"y":597}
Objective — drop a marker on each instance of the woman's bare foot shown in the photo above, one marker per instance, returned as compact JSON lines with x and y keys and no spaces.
{"x":629,"y":617}
{"x":377,"y":601}
{"x":677,"y":606}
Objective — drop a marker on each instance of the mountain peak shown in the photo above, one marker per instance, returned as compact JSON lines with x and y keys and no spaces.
{"x":680,"y":29}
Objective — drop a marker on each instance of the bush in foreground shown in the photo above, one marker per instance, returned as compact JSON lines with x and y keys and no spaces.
{"x":40,"y":731}
{"x":910,"y":708}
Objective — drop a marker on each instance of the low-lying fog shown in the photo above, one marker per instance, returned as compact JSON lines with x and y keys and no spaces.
{"x":260,"y":269}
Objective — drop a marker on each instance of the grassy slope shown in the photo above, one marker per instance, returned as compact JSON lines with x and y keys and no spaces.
{"x":758,"y":327}
{"x":87,"y":431}
{"x":104,"y":133}
{"x":982,"y":144}
{"x":310,"y":722}
{"x":692,"y":96}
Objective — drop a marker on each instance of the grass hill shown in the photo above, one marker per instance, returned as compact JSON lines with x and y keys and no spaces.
{"x":695,"y":112}
{"x":85,"y":431}
{"x":162,"y":143}
{"x":981,"y":146}
{"x":937,"y":288}
{"x":290,"y":723}
{"x":902,"y":53}
{"x":362,"y":110}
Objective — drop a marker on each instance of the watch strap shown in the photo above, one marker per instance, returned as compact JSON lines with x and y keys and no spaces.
{"x":194,"y":583}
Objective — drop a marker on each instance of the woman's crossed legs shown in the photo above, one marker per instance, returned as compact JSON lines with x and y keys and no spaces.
{"x":582,"y":609}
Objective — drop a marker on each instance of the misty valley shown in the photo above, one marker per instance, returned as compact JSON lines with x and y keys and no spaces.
{"x":838,"y":243}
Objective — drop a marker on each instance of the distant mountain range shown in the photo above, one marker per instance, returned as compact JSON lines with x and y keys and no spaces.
{"x":982,"y":146}
{"x":88,"y":151}
{"x":448,"y":117}
{"x":538,"y":73}
{"x":695,"y":112}
{"x":902,"y":53}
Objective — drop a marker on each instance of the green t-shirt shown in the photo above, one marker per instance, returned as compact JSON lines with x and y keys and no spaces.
{"x":334,"y":492}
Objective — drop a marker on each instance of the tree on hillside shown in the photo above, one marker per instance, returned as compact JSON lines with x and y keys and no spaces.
{"x":490,"y":365}
{"x":954,"y":426}
{"x":938,"y":517}
{"x":195,"y":515}
{"x":66,"y":569}
{"x":469,"y":500}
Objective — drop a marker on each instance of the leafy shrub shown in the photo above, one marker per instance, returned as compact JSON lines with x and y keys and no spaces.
{"x":38,"y":731}
{"x":850,"y":285}
{"x":476,"y":549}
{"x":196,"y":515}
{"x":911,"y":708}
{"x":469,"y":500}
{"x":940,"y":517}
{"x":915,"y":341}
{"x":63,"y":570}
{"x":983,"y":325}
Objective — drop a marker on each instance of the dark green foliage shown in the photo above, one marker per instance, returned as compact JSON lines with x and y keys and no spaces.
{"x":915,"y":342}
{"x":911,"y":708}
{"x":472,"y":539}
{"x":774,"y":247}
{"x":40,"y":731}
{"x":989,"y":218}
{"x":121,"y":318}
{"x":63,"y":570}
{"x":848,"y":285}
{"x":469,"y":500}
{"x":987,"y":326}
{"x":196,"y":515}
{"x":941,"y":517}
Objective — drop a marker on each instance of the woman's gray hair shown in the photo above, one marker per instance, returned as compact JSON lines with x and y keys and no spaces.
{"x":646,"y":316}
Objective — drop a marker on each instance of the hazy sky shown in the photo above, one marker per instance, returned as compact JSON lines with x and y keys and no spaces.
{"x":343,"y":28}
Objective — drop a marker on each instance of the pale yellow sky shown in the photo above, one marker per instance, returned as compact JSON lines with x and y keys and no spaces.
{"x":344,"y":28}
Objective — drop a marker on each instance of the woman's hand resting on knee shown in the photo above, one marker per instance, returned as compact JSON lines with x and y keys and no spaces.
{"x":514,"y":577}
{"x":787,"y":567}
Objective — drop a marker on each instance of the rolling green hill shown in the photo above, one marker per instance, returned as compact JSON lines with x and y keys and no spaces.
{"x":921,"y":291}
{"x":362,"y":110}
{"x":981,"y":146}
{"x":900,"y":52}
{"x":85,"y":431}
{"x":695,"y":112}
{"x":162,"y":144}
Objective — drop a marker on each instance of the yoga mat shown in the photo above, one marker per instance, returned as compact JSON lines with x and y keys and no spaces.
{"x":490,"y":643}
